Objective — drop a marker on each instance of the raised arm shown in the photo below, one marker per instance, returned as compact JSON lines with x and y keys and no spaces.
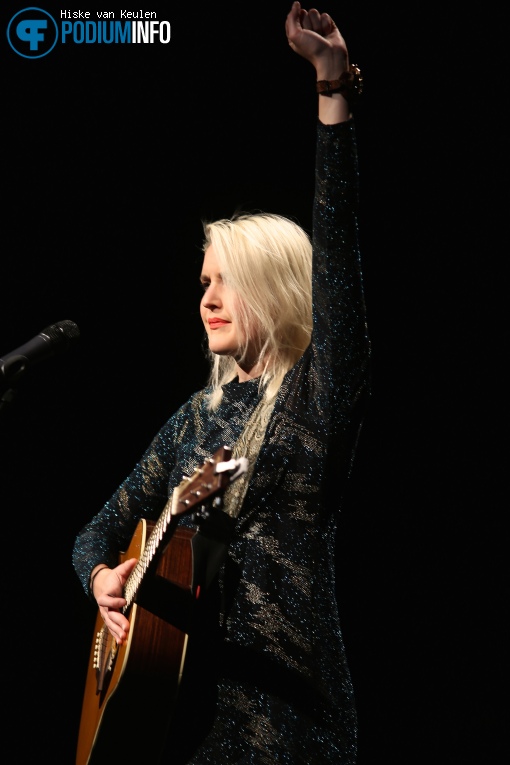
{"x":340,"y":339}
{"x":316,"y":37}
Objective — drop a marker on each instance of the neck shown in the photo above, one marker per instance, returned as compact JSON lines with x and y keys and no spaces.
{"x":245,"y":376}
{"x":247,"y":372}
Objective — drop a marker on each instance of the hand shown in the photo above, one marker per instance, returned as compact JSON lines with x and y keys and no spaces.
{"x":316,"y":37}
{"x":109,"y":587}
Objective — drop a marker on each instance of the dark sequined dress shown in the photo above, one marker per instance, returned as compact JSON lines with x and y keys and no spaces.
{"x":269,"y":681}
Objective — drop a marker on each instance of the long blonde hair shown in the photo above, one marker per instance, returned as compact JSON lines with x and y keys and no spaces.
{"x":266,"y":260}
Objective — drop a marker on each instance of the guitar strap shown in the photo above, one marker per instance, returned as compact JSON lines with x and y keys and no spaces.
{"x":211,"y":541}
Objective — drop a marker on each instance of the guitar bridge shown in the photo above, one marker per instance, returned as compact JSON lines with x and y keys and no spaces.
{"x":105,"y":650}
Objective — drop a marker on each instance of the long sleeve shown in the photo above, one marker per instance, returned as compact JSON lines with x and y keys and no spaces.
{"x":142,"y":494}
{"x":339,"y":312}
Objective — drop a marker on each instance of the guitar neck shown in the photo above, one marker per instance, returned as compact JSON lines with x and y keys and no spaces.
{"x":158,"y":538}
{"x":207,"y":483}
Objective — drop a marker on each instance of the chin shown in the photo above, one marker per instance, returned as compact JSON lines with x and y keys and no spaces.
{"x":219,"y":350}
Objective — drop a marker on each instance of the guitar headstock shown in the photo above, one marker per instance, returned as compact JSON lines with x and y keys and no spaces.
{"x":209,"y":481}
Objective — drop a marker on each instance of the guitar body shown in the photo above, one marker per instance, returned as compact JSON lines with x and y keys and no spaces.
{"x":133,"y":688}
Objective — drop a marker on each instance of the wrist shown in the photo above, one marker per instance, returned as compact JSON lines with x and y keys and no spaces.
{"x":331,"y":64}
{"x":95,"y":572}
{"x":332,"y":72}
{"x":349,"y":84}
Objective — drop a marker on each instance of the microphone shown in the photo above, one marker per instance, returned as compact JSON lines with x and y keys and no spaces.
{"x":53,"y":340}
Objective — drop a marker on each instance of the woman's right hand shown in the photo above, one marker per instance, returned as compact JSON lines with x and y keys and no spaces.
{"x":108,"y":590}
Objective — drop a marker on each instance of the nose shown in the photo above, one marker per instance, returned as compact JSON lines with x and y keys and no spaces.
{"x":211,"y":298}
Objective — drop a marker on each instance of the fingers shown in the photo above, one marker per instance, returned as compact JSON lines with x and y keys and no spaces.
{"x":301,"y":23}
{"x":314,"y":20}
{"x":118,"y":633}
{"x":124,"y":569}
{"x":116,"y":623}
{"x":322,"y":23}
{"x":111,"y":601}
{"x":292,"y":23}
{"x":306,"y":20}
{"x":327,"y":24}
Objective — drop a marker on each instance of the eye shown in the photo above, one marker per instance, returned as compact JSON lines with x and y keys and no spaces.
{"x":204,"y":283}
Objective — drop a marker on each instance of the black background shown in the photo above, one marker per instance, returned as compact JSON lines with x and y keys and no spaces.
{"x":112,"y":155}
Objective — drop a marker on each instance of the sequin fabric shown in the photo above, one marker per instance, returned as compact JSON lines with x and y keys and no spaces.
{"x":267,"y":680}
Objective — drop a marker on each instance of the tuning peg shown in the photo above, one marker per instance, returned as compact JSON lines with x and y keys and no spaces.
{"x":218,"y":503}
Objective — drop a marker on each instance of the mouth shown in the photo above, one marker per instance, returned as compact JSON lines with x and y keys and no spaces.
{"x":217,"y":323}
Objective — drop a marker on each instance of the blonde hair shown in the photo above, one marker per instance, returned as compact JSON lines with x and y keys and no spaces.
{"x":266,"y":260}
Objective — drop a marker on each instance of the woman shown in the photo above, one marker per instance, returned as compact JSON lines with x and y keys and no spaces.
{"x":266,"y":678}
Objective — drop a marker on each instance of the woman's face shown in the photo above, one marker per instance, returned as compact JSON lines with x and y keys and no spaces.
{"x":216,"y":309}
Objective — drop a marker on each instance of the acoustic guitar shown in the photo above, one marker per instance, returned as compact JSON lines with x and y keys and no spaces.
{"x":131,"y":690}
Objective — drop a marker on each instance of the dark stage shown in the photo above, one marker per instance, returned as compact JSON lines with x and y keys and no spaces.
{"x":112,"y":155}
